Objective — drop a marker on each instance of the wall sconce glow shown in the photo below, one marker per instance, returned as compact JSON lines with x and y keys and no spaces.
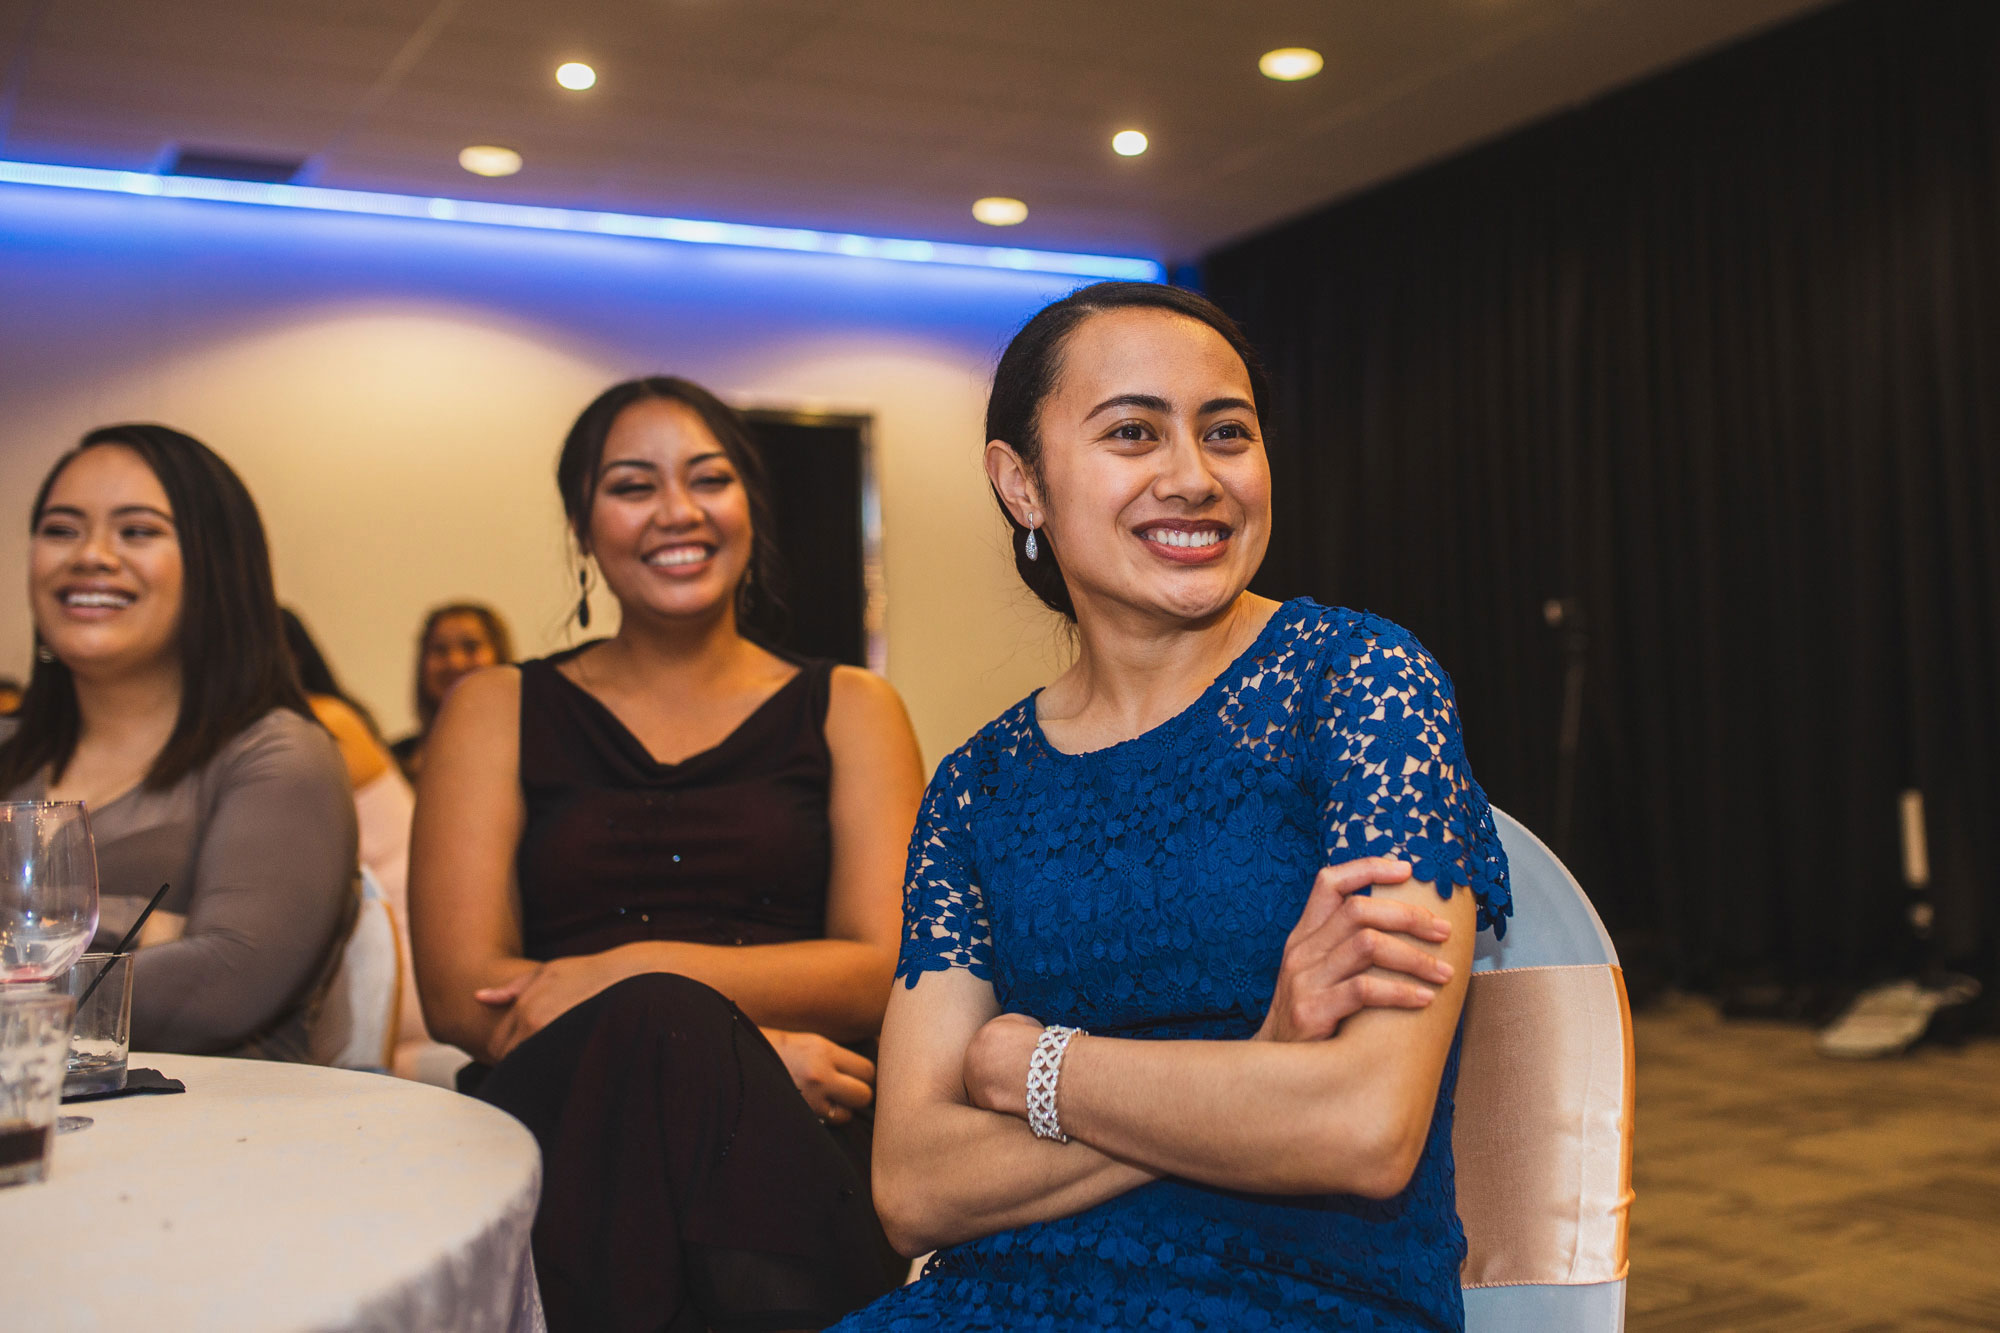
{"x":685,"y":231}
{"x":485,"y":159}
{"x":999,"y":211}
{"x":576,"y":76}
{"x":1128,"y":143}
{"x":1289,"y":64}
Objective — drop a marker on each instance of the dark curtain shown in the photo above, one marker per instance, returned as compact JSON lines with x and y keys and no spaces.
{"x":1715,"y":357}
{"x":815,"y":473}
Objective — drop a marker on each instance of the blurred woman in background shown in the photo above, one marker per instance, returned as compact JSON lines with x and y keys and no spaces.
{"x":655,"y":889}
{"x":162,"y":697}
{"x":384,"y":804}
{"x":457,"y":640}
{"x":348,"y":720}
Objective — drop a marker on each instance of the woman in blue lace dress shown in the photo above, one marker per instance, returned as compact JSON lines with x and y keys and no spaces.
{"x":1172,"y":849}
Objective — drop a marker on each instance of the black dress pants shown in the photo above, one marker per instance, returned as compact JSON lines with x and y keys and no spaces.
{"x":686,"y":1185}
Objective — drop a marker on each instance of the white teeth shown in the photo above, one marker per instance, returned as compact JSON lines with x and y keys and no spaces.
{"x":97,"y":599}
{"x":1173,"y":537}
{"x":679,"y":555}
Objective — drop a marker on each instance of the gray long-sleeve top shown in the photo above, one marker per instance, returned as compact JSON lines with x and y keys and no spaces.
{"x":260,"y":847}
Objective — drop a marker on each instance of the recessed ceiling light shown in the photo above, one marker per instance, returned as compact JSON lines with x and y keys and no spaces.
{"x":485,"y":159}
{"x":999,"y":211}
{"x":1128,"y":143}
{"x":1288,"y":64}
{"x":576,"y":76}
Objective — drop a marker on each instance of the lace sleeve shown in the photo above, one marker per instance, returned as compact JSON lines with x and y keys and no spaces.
{"x":1400,"y":784}
{"x":944,"y":912}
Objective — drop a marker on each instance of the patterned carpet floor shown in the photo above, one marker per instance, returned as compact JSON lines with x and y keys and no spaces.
{"x":1779,"y":1192}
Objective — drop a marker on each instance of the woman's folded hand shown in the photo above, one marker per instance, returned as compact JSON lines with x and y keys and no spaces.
{"x":996,"y":1064}
{"x":1351,"y":952}
{"x":834,"y":1080}
{"x":541,"y":994}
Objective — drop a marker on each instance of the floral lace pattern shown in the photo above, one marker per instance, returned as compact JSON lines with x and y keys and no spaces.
{"x":1146,"y":890}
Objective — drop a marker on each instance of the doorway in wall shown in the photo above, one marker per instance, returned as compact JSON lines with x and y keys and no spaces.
{"x":828,"y":516}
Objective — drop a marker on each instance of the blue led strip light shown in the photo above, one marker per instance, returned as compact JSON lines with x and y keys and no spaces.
{"x":684,"y":230}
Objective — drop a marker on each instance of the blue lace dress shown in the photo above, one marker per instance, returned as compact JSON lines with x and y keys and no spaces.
{"x":1145,"y":890}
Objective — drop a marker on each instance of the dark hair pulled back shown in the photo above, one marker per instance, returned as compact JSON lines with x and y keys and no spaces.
{"x":1031,"y":368}
{"x":760,"y":607}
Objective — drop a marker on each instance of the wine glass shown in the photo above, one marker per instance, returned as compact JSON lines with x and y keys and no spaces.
{"x":48,"y":888}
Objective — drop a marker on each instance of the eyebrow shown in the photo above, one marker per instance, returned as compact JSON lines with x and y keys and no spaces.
{"x":122,"y":511}
{"x":1154,"y":403}
{"x":1215,"y":405}
{"x":650,"y":466}
{"x":1147,"y":401}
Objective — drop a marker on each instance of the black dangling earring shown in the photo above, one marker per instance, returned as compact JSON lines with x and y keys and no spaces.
{"x":583,"y":602}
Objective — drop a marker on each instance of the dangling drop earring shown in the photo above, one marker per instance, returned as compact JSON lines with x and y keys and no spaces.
{"x":1031,"y":548}
{"x":583,"y":601}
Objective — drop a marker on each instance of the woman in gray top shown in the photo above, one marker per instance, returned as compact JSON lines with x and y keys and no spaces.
{"x":163,"y":699}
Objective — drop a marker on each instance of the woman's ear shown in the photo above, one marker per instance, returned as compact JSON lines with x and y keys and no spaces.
{"x":1012,"y":481}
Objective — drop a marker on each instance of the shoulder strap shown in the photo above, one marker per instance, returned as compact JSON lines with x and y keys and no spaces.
{"x":819,"y":688}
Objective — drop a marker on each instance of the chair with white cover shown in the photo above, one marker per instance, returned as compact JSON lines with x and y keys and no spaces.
{"x":1542,"y":1133}
{"x":355,"y":1025}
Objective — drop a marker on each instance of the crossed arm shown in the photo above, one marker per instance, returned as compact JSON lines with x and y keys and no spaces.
{"x":1333,"y":1095}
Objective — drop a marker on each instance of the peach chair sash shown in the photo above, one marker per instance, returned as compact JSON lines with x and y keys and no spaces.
{"x":1542,"y":1130}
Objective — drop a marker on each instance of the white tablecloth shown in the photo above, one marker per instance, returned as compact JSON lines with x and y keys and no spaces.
{"x":277,"y":1197}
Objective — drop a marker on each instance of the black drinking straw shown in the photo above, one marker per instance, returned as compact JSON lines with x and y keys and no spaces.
{"x":124,"y":947}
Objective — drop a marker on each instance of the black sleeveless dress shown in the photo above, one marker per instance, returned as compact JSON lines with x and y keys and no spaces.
{"x":729,"y":846}
{"x":686,"y":1183}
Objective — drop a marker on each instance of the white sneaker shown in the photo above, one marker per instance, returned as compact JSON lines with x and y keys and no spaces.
{"x":1888,"y":1020}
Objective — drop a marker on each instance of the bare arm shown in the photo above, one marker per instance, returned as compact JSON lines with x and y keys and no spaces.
{"x":1346,"y":1115}
{"x":945,"y":1170}
{"x":465,"y":920}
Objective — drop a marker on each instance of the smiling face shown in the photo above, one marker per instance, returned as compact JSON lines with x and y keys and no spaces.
{"x":1152,"y":483}
{"x":670,"y":518}
{"x":456,"y":646}
{"x":104,"y":566}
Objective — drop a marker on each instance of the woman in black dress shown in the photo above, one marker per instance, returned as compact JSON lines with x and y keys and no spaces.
{"x":655,"y":890}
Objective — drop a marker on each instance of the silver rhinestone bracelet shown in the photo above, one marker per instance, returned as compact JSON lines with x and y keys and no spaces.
{"x":1044,"y":1072}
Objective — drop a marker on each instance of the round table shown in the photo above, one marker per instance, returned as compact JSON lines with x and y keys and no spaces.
{"x":276,"y":1196}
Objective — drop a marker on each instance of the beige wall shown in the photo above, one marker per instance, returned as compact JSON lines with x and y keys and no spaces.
{"x":394,"y":394}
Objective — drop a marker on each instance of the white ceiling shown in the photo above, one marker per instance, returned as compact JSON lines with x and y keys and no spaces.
{"x":880,"y":116}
